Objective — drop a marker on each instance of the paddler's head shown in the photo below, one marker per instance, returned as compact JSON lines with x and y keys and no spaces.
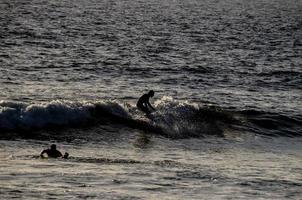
{"x":53,"y":147}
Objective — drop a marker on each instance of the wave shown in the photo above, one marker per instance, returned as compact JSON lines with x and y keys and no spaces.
{"x":22,"y":116}
{"x":174,"y":119}
{"x":273,"y":124}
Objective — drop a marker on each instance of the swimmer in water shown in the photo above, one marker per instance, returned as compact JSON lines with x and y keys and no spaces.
{"x":143,"y":103}
{"x":53,"y":153}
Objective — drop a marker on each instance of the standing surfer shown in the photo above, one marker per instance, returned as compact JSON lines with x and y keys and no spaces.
{"x":143,"y":103}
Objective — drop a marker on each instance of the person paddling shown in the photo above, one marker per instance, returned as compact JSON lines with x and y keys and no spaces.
{"x":53,"y":153}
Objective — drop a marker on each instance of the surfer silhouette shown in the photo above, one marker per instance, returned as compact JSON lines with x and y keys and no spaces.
{"x":53,"y":153}
{"x":143,"y":102}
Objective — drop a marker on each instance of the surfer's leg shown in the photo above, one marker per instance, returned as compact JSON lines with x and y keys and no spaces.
{"x":145,"y":110}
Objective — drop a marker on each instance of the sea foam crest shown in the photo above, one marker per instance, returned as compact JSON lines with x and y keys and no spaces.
{"x":172,"y":118}
{"x":182,"y":119}
{"x":14,"y":115}
{"x":18,"y":115}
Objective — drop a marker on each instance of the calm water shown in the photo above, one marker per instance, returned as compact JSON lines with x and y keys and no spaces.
{"x":227,"y":76}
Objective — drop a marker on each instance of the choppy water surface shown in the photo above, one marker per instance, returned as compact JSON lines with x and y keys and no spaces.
{"x":246,"y":53}
{"x":130,"y":166}
{"x":227,"y":76}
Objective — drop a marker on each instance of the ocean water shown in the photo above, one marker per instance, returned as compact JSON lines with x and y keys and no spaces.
{"x":227,"y":77}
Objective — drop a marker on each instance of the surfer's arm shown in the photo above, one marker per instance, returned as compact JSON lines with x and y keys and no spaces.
{"x":149,"y":104}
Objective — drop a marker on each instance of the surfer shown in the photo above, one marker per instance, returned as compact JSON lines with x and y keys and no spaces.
{"x":143,"y":103}
{"x":53,"y":153}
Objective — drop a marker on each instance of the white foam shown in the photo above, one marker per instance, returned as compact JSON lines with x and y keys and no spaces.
{"x":15,"y":115}
{"x":180,"y":118}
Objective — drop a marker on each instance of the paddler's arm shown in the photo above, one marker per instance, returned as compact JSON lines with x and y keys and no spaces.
{"x":42,"y":153}
{"x":66,"y":155}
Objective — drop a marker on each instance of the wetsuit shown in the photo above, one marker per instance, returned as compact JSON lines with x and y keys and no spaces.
{"x":143,"y":104}
{"x":51,"y":153}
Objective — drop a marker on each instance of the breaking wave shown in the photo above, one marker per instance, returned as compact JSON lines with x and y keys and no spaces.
{"x":175,"y":119}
